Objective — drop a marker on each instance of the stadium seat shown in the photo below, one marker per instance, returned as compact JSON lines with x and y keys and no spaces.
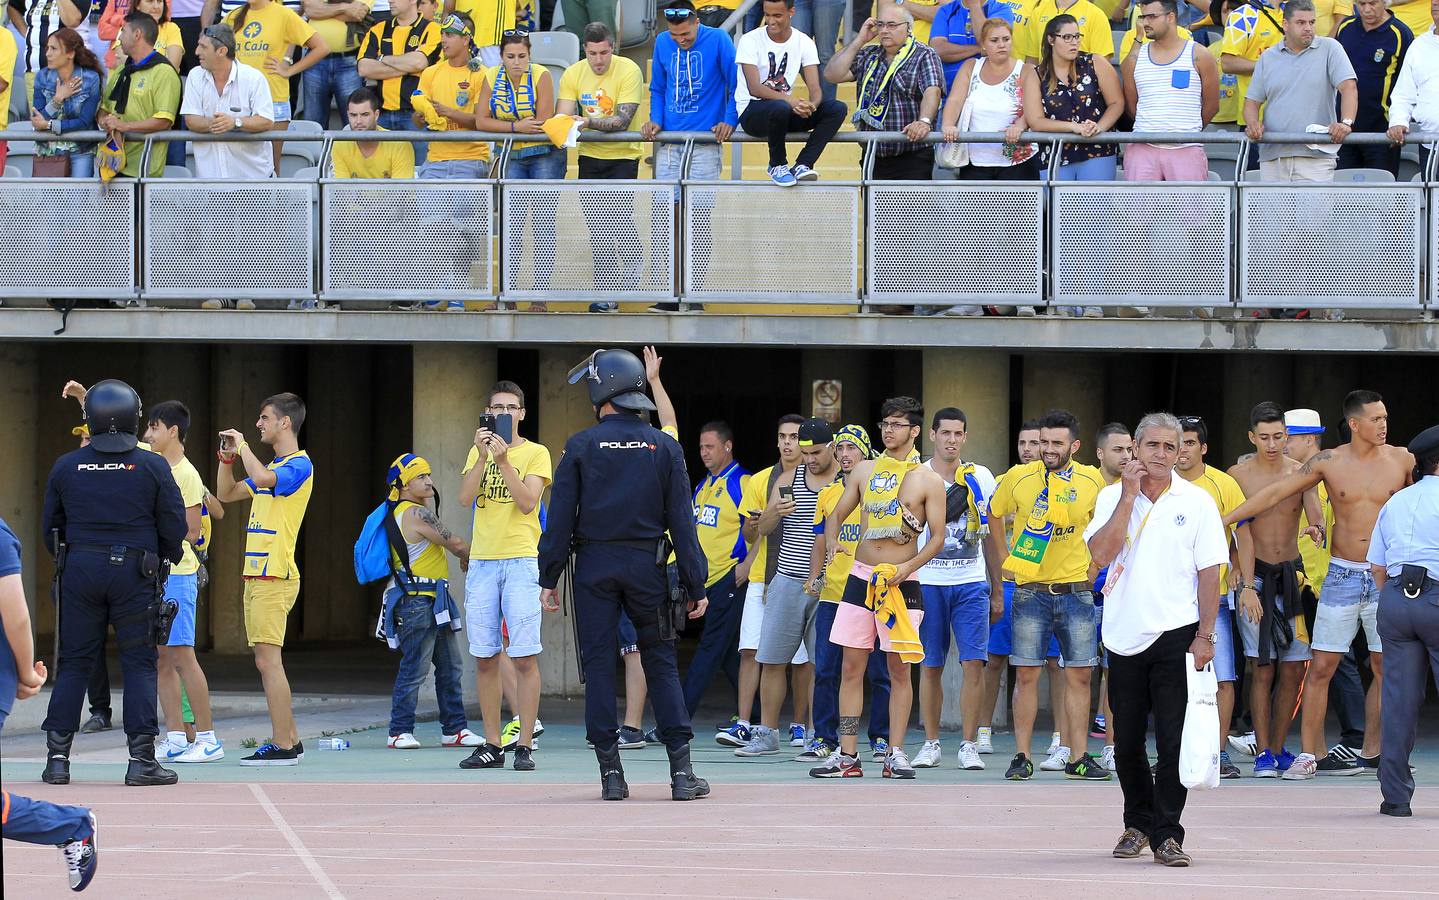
{"x":306,"y":150}
{"x":177,"y":172}
{"x":21,"y":148}
{"x":554,"y":48}
{"x":1214,"y":176}
{"x":1350,"y":176}
{"x":637,"y":21}
{"x":308,"y":173}
{"x":11,"y":172}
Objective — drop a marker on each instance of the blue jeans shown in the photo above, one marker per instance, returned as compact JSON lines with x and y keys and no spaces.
{"x":467,"y":169}
{"x":828,"y":663}
{"x":41,"y":822}
{"x":334,"y":77}
{"x":828,"y":19}
{"x":82,"y":165}
{"x":421,"y":643}
{"x":399,"y":120}
{"x":549,"y":165}
{"x":999,"y":632}
{"x":1035,"y":616}
{"x":1099,"y":169}
{"x":717,"y":650}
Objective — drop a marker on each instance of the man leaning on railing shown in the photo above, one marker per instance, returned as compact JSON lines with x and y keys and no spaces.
{"x":141,"y":98}
{"x":223,"y":95}
{"x":1415,"y":100}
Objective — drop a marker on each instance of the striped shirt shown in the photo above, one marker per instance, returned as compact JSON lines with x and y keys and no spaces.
{"x":42,"y":19}
{"x":390,"y":38}
{"x":1170,"y":96}
{"x":798,"y":529}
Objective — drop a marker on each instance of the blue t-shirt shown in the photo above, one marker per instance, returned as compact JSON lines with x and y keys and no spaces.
{"x":9,"y":565}
{"x":952,"y":24}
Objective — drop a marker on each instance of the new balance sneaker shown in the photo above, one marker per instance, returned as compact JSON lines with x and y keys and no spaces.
{"x":272,"y":755}
{"x":897,"y":765}
{"x":878,"y":749}
{"x":486,"y":756}
{"x":82,"y":858}
{"x":1227,"y":769}
{"x":837,"y":765}
{"x":817,"y":751}
{"x":1265,"y":765}
{"x":928,"y":756}
{"x":969,"y":757}
{"x":404,"y":741}
{"x":1284,"y":760}
{"x":1331,"y":764}
{"x":1244,"y":744}
{"x":737,"y":735}
{"x":763,"y":742}
{"x":984,"y":741}
{"x":1058,"y":759}
{"x":797,"y":735}
{"x":1054,"y":743}
{"x":631,"y":738}
{"x":802,"y":172}
{"x":1086,"y":768}
{"x":1106,"y":758}
{"x":171,"y":747}
{"x":1096,"y":728}
{"x":463,"y":738}
{"x":782,"y":176}
{"x":1303,"y":768}
{"x":204,"y":749}
{"x":1020,"y":768}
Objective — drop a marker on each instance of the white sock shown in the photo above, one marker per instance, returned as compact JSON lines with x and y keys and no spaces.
{"x":177,"y":738}
{"x":205,"y":737}
{"x":744,"y":722}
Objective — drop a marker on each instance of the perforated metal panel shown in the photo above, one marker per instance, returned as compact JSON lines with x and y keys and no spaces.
{"x":1149,"y":245}
{"x":408,"y":240}
{"x":585,"y":239}
{"x":67,"y":238}
{"x":1330,"y":245}
{"x":759,"y":241}
{"x":1432,"y":262}
{"x":213,"y":239}
{"x":954,"y":242}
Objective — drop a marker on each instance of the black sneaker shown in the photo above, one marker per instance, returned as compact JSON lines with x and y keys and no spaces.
{"x":82,"y":858}
{"x":271,"y":755}
{"x":1369,"y":765}
{"x":486,"y":756}
{"x":524,"y":759}
{"x":653,"y":736}
{"x":631,"y":738}
{"x":1086,"y":768}
{"x":300,"y":749}
{"x":97,"y":722}
{"x":1331,"y":764}
{"x":1020,"y":768}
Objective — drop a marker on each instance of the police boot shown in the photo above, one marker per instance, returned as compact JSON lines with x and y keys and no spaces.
{"x":143,"y":769}
{"x":612,"y":775}
{"x":684,"y":784}
{"x":57,"y":757}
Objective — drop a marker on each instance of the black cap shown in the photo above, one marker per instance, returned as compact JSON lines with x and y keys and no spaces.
{"x":112,"y":410}
{"x":815,"y":433}
{"x":1426,"y":442}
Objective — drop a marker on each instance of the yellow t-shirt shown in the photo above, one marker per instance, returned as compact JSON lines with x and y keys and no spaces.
{"x":921,"y":27}
{"x":491,"y":17}
{"x":459,"y":88}
{"x":501,"y":531}
{"x":1067,"y":557}
{"x":1228,"y":496}
{"x":192,"y":493}
{"x":391,"y":159}
{"x":8,"y":55}
{"x":1094,"y":34}
{"x":169,"y":36}
{"x":601,"y":95}
{"x":430,"y":563}
{"x":269,"y":33}
{"x":1316,"y":559}
{"x":1248,"y":32}
{"x":717,"y":505}
{"x":336,"y":32}
{"x":756,"y":498}
{"x":837,"y":572}
{"x":1135,"y":34}
{"x":275,"y":518}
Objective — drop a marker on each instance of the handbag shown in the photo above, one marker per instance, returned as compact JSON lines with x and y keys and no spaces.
{"x":1199,"y":745}
{"x":57,"y":166}
{"x":956,"y":155}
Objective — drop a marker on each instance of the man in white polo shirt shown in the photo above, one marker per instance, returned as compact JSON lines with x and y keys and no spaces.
{"x":1164,"y":542}
{"x":221,"y":96}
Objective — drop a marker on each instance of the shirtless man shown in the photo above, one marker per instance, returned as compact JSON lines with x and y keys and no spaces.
{"x":1360,"y":477}
{"x":900,"y":498}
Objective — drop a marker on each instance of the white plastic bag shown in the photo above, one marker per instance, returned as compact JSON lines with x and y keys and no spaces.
{"x":1199,"y":746}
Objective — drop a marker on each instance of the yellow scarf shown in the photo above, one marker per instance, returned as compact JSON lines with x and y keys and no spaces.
{"x":885,"y":599}
{"x":1049,"y":511}
{"x":874,"y":97}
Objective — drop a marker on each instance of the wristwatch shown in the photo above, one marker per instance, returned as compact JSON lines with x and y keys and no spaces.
{"x":1349,"y":122}
{"x":1211,"y":637}
{"x":926,"y":120}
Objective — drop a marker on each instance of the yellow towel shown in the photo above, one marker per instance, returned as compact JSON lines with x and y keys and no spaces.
{"x":563,"y":131}
{"x":885,"y":599}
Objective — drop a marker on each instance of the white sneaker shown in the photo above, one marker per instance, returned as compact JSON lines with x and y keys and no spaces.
{"x":404,"y":741}
{"x":963,"y":309}
{"x":1054,"y":740}
{"x":1057,"y":760}
{"x":1026,"y":312}
{"x":969,"y":757}
{"x":1106,"y":758}
{"x":1093,"y":312}
{"x":928,"y":756}
{"x":1245,"y":745}
{"x":202,"y":752}
{"x":464,"y":738}
{"x":1302,"y":769}
{"x":984,"y":742}
{"x":169,"y":751}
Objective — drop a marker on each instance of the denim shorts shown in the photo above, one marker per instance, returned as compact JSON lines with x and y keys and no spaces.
{"x":282,"y":112}
{"x":183,"y":589}
{"x":1000,"y":642}
{"x":1035,"y":617}
{"x":1297,"y":651}
{"x":961,"y":609}
{"x":1224,"y":643}
{"x":468,"y":169}
{"x":1348,"y":601}
{"x":508,"y":589}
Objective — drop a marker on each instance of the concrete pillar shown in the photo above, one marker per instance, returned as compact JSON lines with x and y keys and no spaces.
{"x":851,"y":369}
{"x":564,"y":410}
{"x":24,"y":479}
{"x":1071,"y":381}
{"x":977,"y":381}
{"x":1248,"y":380}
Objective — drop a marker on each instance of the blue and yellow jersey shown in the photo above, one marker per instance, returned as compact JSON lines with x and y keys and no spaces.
{"x":275,"y":517}
{"x":1075,"y":489}
{"x":756,"y":497}
{"x":836,"y":573}
{"x":718,"y":500}
{"x":1248,"y":32}
{"x":1376,"y":56}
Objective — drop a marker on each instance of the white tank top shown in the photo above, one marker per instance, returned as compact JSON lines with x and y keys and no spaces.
{"x":1170,"y":96}
{"x":994,"y":107}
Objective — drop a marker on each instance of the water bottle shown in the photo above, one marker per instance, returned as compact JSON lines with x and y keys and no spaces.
{"x":334,"y":744}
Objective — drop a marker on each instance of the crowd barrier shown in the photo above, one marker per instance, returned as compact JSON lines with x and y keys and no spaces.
{"x":1229,"y":241}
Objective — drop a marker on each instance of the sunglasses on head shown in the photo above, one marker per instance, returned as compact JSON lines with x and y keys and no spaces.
{"x":454,"y":25}
{"x":678,"y":14}
{"x":514,"y":32}
{"x":1189,"y":422}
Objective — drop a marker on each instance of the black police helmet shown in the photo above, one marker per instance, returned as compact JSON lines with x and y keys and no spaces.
{"x":112,"y":410}
{"x":616,"y":377}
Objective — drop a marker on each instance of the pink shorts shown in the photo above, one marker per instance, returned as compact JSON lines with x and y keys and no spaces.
{"x":1146,"y":162}
{"x":855,"y":624}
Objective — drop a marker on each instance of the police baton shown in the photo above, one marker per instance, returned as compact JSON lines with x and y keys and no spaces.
{"x":59,"y":549}
{"x":567,"y":581}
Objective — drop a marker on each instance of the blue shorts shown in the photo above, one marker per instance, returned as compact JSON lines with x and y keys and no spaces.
{"x":961,"y":608}
{"x":999,"y":632}
{"x":183,"y":589}
{"x":282,"y":112}
{"x":1224,"y":643}
{"x":629,"y":638}
{"x":1037,"y":617}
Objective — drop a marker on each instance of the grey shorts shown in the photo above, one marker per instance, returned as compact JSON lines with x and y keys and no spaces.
{"x":789,"y":615}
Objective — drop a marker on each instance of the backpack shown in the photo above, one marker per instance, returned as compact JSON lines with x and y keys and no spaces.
{"x":379,"y":543}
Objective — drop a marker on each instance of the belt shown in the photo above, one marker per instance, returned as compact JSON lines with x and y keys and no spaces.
{"x":108,"y":549}
{"x":347,"y":53}
{"x":638,"y":544}
{"x":1039,"y":587}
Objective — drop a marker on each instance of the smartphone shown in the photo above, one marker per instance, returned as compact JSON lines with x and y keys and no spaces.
{"x":487,"y":422}
{"x":504,"y":427}
{"x":786,"y":492}
{"x":227,"y":443}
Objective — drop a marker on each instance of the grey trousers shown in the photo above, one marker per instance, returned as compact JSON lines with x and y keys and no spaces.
{"x":1410,"y":632}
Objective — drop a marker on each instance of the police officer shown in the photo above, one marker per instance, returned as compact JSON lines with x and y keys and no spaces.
{"x":619,"y":486}
{"x":116,"y":512}
{"x":1404,"y":552}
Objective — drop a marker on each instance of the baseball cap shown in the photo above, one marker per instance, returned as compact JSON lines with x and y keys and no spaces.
{"x":1303,"y":421}
{"x":815,"y":433}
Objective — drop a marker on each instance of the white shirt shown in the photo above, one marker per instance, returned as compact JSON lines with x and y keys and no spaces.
{"x":1415,"y":98}
{"x":247,"y":93}
{"x":780,"y":65}
{"x":961,"y":561}
{"x":1153,"y":584}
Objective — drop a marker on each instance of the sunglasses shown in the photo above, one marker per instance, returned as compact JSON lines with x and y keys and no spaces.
{"x":1189,"y":422}
{"x":514,"y":32}
{"x":678,"y":14}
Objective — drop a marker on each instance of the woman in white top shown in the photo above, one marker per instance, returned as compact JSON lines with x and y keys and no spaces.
{"x":988,"y":95}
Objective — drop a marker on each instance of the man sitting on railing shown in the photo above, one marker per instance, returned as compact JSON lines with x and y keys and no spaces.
{"x":223,"y":95}
{"x":141,"y":98}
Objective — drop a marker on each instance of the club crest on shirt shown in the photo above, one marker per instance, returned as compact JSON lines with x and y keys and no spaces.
{"x":1379,"y":56}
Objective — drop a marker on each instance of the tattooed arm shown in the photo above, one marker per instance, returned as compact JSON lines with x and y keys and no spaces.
{"x":620,"y":121}
{"x":428,"y":526}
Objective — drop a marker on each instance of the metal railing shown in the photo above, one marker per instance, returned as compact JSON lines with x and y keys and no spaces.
{"x":1230,"y":242}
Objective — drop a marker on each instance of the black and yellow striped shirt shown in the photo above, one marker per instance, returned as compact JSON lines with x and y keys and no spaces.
{"x":393,"y":39}
{"x":1376,"y":56}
